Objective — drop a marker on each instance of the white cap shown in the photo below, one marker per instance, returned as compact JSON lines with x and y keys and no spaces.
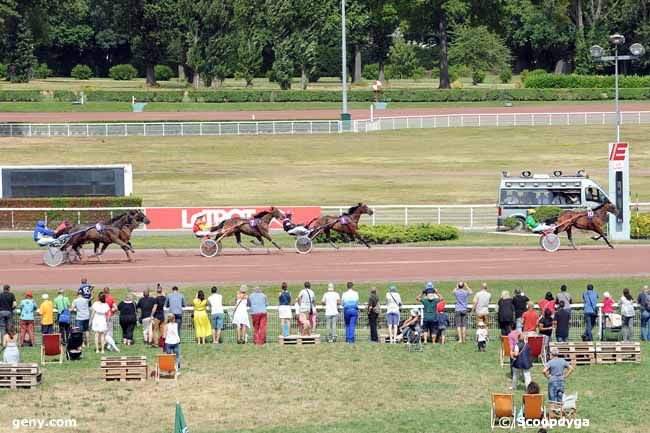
{"x":45,"y":296}
{"x":606,"y":294}
{"x":330,"y":286}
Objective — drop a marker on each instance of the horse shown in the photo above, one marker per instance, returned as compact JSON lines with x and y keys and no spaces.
{"x":583,"y":220}
{"x":111,"y":234}
{"x":137,"y":217}
{"x":347,"y":224}
{"x":257,"y":227}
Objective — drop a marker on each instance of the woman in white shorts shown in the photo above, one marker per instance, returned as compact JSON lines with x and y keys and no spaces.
{"x":284,"y":310}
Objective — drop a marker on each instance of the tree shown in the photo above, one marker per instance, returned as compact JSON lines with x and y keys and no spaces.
{"x":251,"y":35}
{"x":402,"y":56}
{"x":383,"y":19}
{"x":22,"y":59}
{"x":479,"y":50}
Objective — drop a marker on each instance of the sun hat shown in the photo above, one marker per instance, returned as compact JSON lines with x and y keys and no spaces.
{"x":330,"y":286}
{"x":243,"y":288}
{"x":392,"y":289}
{"x":45,"y":296}
{"x":606,"y":295}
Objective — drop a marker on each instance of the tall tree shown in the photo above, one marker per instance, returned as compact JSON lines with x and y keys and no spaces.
{"x":251,"y":36}
{"x":383,"y":19}
{"x":21,"y":59}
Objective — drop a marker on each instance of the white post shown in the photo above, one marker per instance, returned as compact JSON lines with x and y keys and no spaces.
{"x":585,"y":117}
{"x":68,"y":130}
{"x":106,"y":129}
{"x":144,"y":129}
{"x":514,"y":123}
{"x":49,"y":129}
{"x":125,"y":132}
{"x":393,"y":123}
{"x":406,"y":216}
{"x":292,"y":131}
{"x":78,"y":217}
{"x":11,"y":130}
{"x":603,"y":121}
{"x":311,"y":127}
{"x":219,"y":127}
{"x":568,"y":119}
{"x":471,"y":217}
{"x":30,"y":129}
{"x":201,"y":129}
{"x":550,"y":119}
{"x":238,"y":130}
{"x":435,"y":122}
{"x":438,"y":215}
{"x":182,"y":129}
{"x":421,"y":122}
{"x":372,"y":112}
{"x":497,"y":120}
{"x":274,"y":127}
{"x":87,"y":130}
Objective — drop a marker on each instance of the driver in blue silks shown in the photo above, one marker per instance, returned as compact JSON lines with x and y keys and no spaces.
{"x":43,"y":235}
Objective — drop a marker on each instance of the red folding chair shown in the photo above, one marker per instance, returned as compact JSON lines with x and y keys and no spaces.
{"x":536,"y":344}
{"x":51,"y":347}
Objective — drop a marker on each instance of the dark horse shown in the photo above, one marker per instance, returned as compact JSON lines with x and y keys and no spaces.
{"x":570,"y":219}
{"x":257,"y":227}
{"x":116,"y":231}
{"x":347,"y":224}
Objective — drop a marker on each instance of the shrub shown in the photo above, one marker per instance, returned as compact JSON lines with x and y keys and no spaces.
{"x":20,"y":96}
{"x":577,"y":81}
{"x":399,"y":234}
{"x":505,"y":75}
{"x":41,"y":71}
{"x":370,"y":71}
{"x":511,"y":222}
{"x":123,"y":72}
{"x":3,"y":70}
{"x":478,"y":77}
{"x":418,"y":73}
{"x":163,"y":73}
{"x":640,"y":226}
{"x":547,"y":213}
{"x":81,"y":72}
{"x":140,"y":96}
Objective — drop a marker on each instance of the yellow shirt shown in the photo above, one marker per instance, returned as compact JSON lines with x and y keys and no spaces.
{"x":46,"y":310}
{"x":200,"y":305}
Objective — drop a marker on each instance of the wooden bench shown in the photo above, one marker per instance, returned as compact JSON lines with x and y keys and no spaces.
{"x":299,"y":340}
{"x":576,"y":352}
{"x":124,"y":368}
{"x":618,"y":352}
{"x":20,"y":375}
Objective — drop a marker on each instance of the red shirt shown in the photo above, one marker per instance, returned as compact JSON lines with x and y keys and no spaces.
{"x":440,"y":307}
{"x":111,"y":304}
{"x":530,"y":319}
{"x":546,"y":305}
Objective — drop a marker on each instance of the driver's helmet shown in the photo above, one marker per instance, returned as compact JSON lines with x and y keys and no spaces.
{"x":288,"y":214}
{"x":531,"y":211}
{"x":40,"y":224}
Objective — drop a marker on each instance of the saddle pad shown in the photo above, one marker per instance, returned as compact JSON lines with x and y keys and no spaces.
{"x":252,"y":222}
{"x":344,"y":219}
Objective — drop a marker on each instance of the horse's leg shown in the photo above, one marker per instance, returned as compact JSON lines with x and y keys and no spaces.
{"x":328,"y":236}
{"x":569,"y":234}
{"x":238,"y":239}
{"x":268,"y":237}
{"x":598,"y":229}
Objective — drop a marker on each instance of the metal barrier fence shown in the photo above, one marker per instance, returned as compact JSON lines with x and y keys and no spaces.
{"x":499,"y":120}
{"x":362,"y":332}
{"x":164,"y":129}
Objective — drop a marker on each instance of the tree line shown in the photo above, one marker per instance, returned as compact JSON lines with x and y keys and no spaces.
{"x":208,"y":41}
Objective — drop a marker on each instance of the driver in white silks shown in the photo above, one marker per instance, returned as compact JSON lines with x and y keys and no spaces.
{"x":291,"y":228}
{"x":43,"y":235}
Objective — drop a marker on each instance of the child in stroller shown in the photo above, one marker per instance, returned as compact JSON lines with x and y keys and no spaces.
{"x":73,"y":349}
{"x":410,"y":330}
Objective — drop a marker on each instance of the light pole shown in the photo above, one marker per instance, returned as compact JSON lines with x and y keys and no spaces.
{"x":345,"y":116}
{"x":619,"y":153}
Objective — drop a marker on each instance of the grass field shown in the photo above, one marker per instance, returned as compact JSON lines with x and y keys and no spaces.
{"x":338,"y":388}
{"x":403,"y":167}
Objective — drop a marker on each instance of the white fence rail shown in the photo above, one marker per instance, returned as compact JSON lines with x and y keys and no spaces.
{"x":499,"y":120}
{"x":175,"y":129}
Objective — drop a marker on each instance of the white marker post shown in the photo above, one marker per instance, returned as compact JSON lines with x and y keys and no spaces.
{"x":619,"y":190}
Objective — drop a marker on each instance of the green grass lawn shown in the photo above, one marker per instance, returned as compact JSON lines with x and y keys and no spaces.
{"x":442,"y":166}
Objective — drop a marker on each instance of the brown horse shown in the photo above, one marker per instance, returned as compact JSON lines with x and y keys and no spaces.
{"x":257,"y":227}
{"x":126,"y":231}
{"x":583,"y":220}
{"x":347,"y":224}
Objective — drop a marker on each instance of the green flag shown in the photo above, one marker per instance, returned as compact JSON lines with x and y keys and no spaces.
{"x":180,"y":426}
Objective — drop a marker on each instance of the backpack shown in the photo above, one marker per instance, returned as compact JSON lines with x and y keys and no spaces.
{"x":65,"y":316}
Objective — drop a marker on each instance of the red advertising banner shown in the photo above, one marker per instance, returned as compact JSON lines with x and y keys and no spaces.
{"x":178,"y":218}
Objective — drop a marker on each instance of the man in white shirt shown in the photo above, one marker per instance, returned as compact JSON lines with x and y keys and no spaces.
{"x":217,"y":316}
{"x":481,"y":304}
{"x":307,"y":299}
{"x":331,"y":300}
{"x":393,"y":302}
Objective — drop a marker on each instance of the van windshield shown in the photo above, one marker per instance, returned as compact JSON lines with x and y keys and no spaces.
{"x":536,"y":197}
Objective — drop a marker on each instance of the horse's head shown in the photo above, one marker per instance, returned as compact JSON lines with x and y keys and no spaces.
{"x":360,"y":209}
{"x":608,"y":206}
{"x":277,"y":213}
{"x":139,"y":216}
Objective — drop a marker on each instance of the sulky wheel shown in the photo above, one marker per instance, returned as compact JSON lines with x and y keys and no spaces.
{"x":550,"y":242}
{"x":303,"y":244}
{"x":53,"y":257}
{"x":210,"y":248}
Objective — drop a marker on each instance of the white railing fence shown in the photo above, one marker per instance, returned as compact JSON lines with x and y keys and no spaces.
{"x":175,"y":129}
{"x":499,"y":120}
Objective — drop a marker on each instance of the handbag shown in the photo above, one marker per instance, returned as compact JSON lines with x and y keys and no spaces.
{"x":65,"y":316}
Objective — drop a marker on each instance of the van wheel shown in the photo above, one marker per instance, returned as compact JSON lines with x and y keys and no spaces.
{"x":521,"y":225}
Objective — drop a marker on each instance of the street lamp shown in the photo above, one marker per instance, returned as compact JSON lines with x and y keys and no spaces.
{"x":345,"y":117}
{"x":619,"y":160}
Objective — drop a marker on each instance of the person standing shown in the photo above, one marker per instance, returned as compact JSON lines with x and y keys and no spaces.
{"x":240,"y":315}
{"x":554,"y":371}
{"x":481,"y":304}
{"x":545,"y":326}
{"x":644,"y":304}
{"x":82,"y":309}
{"x":520,"y":302}
{"x":373,"y":314}
{"x":481,"y":336}
{"x":201,"y":322}
{"x":46,"y":311}
{"x":258,"y":303}
{"x":172,"y":339}
{"x":331,"y":300}
{"x":86,"y":290}
{"x":284,"y":309}
{"x":590,"y":299}
{"x":307,"y":299}
{"x":521,"y":363}
{"x":461,"y":293}
{"x":175,"y":302}
{"x":529,"y":320}
{"x":7,"y":307}
{"x":99,"y":325}
{"x":27,"y":309}
{"x":10,"y":354}
{"x":158,"y":316}
{"x":430,"y":316}
{"x":505,"y":312}
{"x":350,"y":302}
{"x":565,"y":296}
{"x":128,"y":319}
{"x":112,"y":309}
{"x":146,"y":305}
{"x":627,"y":313}
{"x":393,"y":303}
{"x":548,"y":303}
{"x":562,"y":320}
{"x":62,"y":305}
{"x":217,"y":316}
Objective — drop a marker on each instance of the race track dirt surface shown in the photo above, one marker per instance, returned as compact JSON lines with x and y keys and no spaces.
{"x":187,"y":267}
{"x":188,"y":116}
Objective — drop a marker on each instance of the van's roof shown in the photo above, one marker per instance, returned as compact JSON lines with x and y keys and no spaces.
{"x":528,"y":175}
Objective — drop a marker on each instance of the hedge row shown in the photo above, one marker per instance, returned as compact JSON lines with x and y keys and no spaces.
{"x":383,"y":234}
{"x":640,"y":226}
{"x":575,"y":81}
{"x":406,"y":95}
{"x":25,"y":220}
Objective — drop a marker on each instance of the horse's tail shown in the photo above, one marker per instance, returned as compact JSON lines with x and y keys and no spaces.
{"x":218,"y":226}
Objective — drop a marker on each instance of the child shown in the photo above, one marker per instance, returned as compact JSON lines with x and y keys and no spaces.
{"x":443,"y":322}
{"x":172,"y":340}
{"x":481,"y":336}
{"x":608,"y":304}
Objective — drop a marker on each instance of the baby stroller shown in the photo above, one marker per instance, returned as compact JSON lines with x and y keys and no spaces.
{"x":73,"y":350}
{"x":413,"y":338}
{"x":612,"y":327}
